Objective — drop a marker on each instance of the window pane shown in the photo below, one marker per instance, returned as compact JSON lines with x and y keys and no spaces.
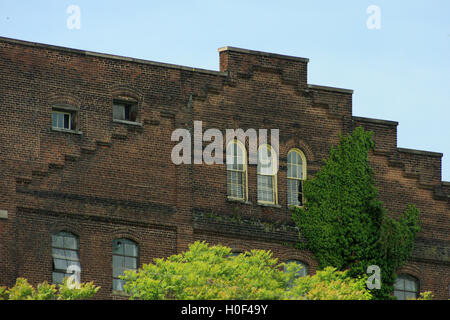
{"x":118,"y":284}
{"x":57,"y":241}
{"x":265,"y":188}
{"x":130,"y":263}
{"x":118,"y":261}
{"x":399,"y":284}
{"x":60,"y":264}
{"x":265,"y":160}
{"x":119,"y":112}
{"x":64,"y":253}
{"x":130,"y":249}
{"x":400,"y":295}
{"x":66,"y":121}
{"x":54,"y":120}
{"x":70,"y":242}
{"x":59,"y":253}
{"x":410,"y":285}
{"x":118,"y":247}
{"x":127,"y":112}
{"x":71,"y":255}
{"x":406,"y":286}
{"x":60,"y":121}
{"x":57,"y":277}
{"x":235,"y":184}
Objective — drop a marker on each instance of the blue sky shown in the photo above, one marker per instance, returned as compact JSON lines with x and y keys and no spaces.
{"x":400,"y":72}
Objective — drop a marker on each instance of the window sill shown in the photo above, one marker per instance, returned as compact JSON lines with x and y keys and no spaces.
{"x":120,"y":293}
{"x":66,"y":131}
{"x":292,"y":207}
{"x":132,"y":123}
{"x":231,"y":199}
{"x":263,"y":204}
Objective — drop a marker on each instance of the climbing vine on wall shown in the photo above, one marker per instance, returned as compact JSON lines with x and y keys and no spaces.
{"x":345,"y":225}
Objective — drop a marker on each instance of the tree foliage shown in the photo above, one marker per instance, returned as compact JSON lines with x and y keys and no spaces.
{"x":211,"y":272}
{"x":22,"y":290}
{"x":345,"y":225}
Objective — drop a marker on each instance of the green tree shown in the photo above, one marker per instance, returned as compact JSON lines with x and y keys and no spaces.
{"x":343,"y":222}
{"x":22,"y":290}
{"x":211,"y":272}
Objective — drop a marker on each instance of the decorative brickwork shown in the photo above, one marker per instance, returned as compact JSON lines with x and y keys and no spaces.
{"x":112,"y":179}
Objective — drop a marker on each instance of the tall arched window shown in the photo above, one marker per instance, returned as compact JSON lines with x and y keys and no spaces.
{"x":406,"y":286}
{"x":64,"y":254}
{"x":236,"y":170}
{"x":125,"y":256}
{"x":267,"y":175}
{"x":296,"y":173}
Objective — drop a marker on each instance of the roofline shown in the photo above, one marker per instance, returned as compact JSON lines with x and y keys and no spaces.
{"x":262,"y":53}
{"x":421,"y":152}
{"x":110,"y":56}
{"x":376,"y":121}
{"x":333,"y":89}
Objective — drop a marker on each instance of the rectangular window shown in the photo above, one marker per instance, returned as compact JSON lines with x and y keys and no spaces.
{"x":65,"y":254}
{"x":125,"y":257}
{"x":266,"y":193}
{"x":124,"y":111}
{"x":61,"y":120}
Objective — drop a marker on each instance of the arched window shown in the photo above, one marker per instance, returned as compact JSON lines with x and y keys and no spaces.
{"x":236,"y":170}
{"x":267,"y":175}
{"x":64,"y":254}
{"x":406,"y":286}
{"x":296,"y":173}
{"x":303,"y":271}
{"x":125,"y":256}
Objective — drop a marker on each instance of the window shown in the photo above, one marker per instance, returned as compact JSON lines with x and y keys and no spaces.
{"x":236,"y":171}
{"x":296,"y":173}
{"x":267,"y":176}
{"x":234,"y":253}
{"x":303,"y":271}
{"x":405,"y":287}
{"x":125,"y":255}
{"x":61,"y":120}
{"x":64,"y":118}
{"x":126,"y":111}
{"x":65,"y":254}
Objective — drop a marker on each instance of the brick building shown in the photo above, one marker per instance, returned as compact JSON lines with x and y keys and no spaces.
{"x":86,"y":175}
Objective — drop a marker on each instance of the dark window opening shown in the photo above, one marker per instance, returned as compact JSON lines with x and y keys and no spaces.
{"x":64,"y":119}
{"x":125,"y":111}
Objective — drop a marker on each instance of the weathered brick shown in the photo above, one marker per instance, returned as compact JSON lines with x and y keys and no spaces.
{"x":112,"y":179}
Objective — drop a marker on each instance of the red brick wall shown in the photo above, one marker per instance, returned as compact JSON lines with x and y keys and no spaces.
{"x":117,"y":180}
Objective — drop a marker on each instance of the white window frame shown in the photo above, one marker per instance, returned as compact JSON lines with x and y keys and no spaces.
{"x":243,"y":172}
{"x":63,"y":113}
{"x":290,"y":178}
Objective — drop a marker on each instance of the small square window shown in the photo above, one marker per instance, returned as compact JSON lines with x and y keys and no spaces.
{"x":64,"y":118}
{"x":61,"y":120}
{"x":126,"y":111}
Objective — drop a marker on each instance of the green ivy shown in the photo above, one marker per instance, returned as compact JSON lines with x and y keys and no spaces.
{"x":345,"y":225}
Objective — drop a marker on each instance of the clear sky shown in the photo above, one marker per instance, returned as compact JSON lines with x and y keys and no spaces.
{"x":399,"y":72}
